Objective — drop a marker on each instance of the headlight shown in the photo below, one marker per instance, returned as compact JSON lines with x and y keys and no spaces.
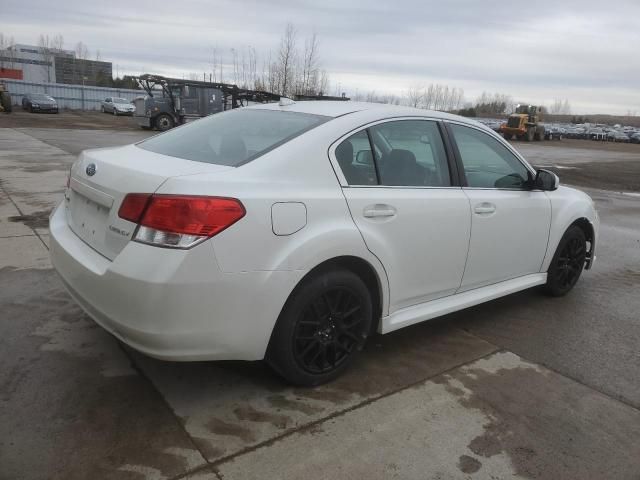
{"x":35,"y":105}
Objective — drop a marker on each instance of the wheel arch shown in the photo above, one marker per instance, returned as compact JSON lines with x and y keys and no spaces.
{"x":360,"y":267}
{"x":589,"y":232}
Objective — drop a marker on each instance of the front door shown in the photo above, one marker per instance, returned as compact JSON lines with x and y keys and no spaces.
{"x":410,"y":213}
{"x":509,"y":221}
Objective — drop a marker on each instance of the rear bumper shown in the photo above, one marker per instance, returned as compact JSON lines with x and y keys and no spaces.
{"x":171,"y":304}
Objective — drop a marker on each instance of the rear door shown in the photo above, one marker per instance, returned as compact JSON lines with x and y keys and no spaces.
{"x":509,"y":221}
{"x":412,"y":215}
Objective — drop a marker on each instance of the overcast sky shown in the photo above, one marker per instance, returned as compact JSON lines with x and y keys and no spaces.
{"x":585,"y":51}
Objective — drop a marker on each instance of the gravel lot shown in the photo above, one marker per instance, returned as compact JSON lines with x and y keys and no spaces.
{"x":522,"y":387}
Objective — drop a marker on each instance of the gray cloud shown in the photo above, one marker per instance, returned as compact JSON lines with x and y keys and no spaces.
{"x":585,"y":51}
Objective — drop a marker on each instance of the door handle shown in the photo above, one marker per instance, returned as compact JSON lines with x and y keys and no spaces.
{"x":379,"y":211}
{"x":484,"y":208}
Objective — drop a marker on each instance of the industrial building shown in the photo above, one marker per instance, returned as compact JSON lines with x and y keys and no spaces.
{"x":30,"y":63}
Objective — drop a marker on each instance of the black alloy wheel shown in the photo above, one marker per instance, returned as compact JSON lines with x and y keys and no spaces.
{"x":321,"y":328}
{"x":329,"y":331}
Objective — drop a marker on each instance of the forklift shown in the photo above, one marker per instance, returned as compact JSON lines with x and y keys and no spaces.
{"x":524,"y":124}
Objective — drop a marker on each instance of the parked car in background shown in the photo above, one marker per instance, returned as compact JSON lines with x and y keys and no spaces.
{"x":117,"y":106}
{"x":39,"y":102}
{"x":554,"y":132}
{"x":615,"y":136}
{"x":215,"y":241}
{"x":635,"y":138}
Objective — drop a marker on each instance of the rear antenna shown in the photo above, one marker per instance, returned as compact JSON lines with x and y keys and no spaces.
{"x":284,"y":101}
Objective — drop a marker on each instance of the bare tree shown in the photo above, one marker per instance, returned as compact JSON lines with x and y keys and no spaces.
{"x":286,"y":60}
{"x":415,"y":95}
{"x":82,"y":52}
{"x":309,"y":70}
{"x":6,"y":42}
{"x":45,"y":49}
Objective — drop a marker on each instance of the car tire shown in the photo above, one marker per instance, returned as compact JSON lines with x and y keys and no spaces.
{"x":115,"y":112}
{"x":507,"y":136}
{"x":321,"y":329}
{"x":31,"y":109}
{"x":567,"y":263}
{"x":102,"y":109}
{"x":164,"y":122}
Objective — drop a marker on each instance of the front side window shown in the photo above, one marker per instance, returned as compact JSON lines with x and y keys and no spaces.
{"x":356,"y":161}
{"x":234,"y":137}
{"x":410,"y":153}
{"x":487,"y":163}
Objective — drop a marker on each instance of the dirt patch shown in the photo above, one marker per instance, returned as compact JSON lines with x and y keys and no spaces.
{"x":468,"y":464}
{"x":535,"y":415}
{"x":621,"y":176}
{"x":68,"y":119}
{"x":283,"y":403}
{"x":249,"y":413}
{"x":35,"y":220}
{"x":220,"y":427}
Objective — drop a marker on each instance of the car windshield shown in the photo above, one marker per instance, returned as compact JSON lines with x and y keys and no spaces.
{"x":233,"y":138}
{"x":40,"y":96}
{"x":120,"y":100}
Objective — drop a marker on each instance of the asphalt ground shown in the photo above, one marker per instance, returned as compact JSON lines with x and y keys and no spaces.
{"x":526,"y":386}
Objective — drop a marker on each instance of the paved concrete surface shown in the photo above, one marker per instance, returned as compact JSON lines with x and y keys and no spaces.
{"x":522,"y":387}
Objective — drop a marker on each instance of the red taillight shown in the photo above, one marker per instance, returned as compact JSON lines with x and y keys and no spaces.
{"x":182,"y":214}
{"x":133,"y":206}
{"x":192,"y":215}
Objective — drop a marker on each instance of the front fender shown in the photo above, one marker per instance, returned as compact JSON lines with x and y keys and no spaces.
{"x":569,"y":205}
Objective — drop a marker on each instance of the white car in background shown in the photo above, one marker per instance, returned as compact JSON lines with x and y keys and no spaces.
{"x":292,"y":232}
{"x":117,"y":106}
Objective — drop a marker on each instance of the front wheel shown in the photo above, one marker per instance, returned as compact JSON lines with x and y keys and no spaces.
{"x":529,"y":135}
{"x":322,"y":327}
{"x":567,"y":263}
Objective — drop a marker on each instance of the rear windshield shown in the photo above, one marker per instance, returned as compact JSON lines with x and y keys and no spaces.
{"x":234,"y":137}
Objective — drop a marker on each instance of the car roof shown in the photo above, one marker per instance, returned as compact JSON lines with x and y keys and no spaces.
{"x":337,"y":108}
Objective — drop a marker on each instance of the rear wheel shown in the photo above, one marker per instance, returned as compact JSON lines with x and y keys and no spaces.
{"x":164,"y":122}
{"x":322,"y":327}
{"x":567,"y":263}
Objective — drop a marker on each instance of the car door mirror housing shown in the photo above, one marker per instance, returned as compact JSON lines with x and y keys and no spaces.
{"x":546,"y":180}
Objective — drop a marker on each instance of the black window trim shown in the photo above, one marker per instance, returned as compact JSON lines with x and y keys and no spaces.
{"x":449,"y":153}
{"x":460,"y":166}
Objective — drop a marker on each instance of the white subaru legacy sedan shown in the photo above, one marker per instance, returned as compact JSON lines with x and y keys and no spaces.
{"x":293,"y":232}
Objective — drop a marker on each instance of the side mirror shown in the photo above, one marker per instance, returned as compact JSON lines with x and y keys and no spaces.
{"x":546,"y":180}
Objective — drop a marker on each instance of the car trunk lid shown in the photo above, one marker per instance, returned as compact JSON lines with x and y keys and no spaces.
{"x":101,"y":178}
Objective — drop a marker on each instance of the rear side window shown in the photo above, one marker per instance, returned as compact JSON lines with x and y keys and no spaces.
{"x":356,"y":160}
{"x":410,"y":153}
{"x":232,"y":138}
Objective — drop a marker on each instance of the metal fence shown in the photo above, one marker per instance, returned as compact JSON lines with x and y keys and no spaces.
{"x":75,"y":97}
